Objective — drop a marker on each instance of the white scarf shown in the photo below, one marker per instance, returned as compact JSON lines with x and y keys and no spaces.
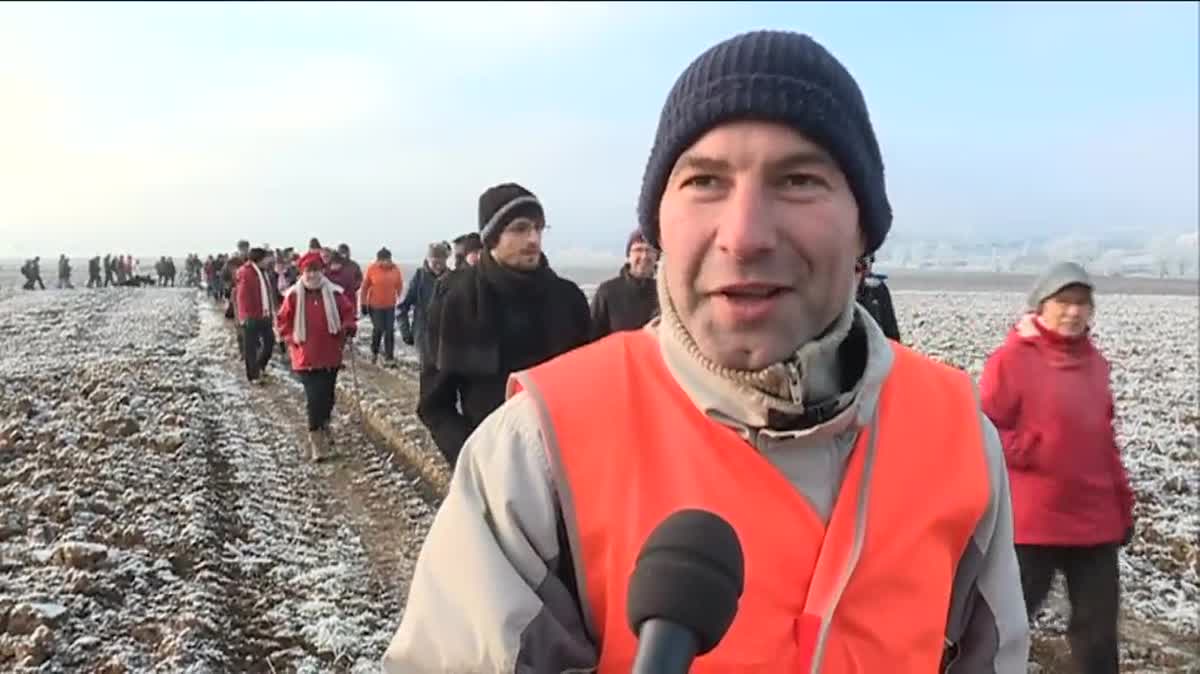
{"x":332,"y":319}
{"x":268,"y":309}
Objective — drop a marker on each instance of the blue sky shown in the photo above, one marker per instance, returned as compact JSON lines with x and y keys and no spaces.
{"x":173,"y":127}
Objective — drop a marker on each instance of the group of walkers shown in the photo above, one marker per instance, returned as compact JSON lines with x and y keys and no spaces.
{"x":301,"y":304}
{"x":113,"y":270}
{"x":889,"y":519}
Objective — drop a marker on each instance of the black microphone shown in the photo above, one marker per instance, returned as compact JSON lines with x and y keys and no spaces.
{"x":684,"y":591}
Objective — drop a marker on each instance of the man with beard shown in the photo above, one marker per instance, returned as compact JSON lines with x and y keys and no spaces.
{"x":628,"y":301}
{"x":417,"y":297}
{"x":867,"y":490}
{"x":509,"y":312}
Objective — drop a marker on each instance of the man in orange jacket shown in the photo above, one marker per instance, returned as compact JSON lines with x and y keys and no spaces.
{"x":866,"y":487}
{"x":380,"y":292}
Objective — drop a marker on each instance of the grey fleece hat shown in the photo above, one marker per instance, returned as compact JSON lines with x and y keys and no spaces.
{"x":1058,"y":276}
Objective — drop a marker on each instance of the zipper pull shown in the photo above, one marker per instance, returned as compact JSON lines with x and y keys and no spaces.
{"x":794,"y":381}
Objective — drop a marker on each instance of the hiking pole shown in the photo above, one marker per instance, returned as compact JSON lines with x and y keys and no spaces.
{"x":354,"y":383}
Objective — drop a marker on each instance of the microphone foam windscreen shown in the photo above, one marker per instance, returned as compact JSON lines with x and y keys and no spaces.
{"x":690,"y":571}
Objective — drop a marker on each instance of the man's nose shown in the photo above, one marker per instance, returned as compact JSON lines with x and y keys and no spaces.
{"x":744,"y":230}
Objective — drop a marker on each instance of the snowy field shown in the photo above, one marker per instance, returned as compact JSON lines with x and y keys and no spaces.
{"x":157,"y":514}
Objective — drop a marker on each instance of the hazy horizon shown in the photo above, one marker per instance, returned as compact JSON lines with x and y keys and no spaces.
{"x":178,"y":126}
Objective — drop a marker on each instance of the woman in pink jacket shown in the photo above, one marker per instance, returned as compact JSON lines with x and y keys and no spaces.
{"x":1047,"y":392}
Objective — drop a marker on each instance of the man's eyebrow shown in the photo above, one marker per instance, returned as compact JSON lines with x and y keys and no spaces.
{"x":804,"y":159}
{"x":700,"y":163}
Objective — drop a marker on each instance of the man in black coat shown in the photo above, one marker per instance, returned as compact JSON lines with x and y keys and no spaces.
{"x":507,"y":313}
{"x":629,"y":300}
{"x":874,"y":296}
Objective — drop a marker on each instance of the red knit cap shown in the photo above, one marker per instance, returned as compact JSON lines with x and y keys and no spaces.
{"x":311,"y":259}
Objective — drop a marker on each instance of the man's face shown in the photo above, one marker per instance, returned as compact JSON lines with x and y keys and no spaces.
{"x":472,"y":258}
{"x":760,"y":230}
{"x":326,"y":255}
{"x":436,"y":264}
{"x":520,"y":244}
{"x":642,"y":258}
{"x":1069,"y":311}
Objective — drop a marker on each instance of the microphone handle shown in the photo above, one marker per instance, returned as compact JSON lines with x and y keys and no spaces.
{"x":664,"y":647}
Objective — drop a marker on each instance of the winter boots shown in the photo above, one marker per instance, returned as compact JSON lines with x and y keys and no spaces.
{"x":320,"y":444}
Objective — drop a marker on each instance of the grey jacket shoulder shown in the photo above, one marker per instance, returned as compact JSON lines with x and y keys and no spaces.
{"x":490,"y":592}
{"x":987,"y":627}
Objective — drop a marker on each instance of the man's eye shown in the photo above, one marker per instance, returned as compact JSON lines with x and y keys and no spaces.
{"x":804,"y":180}
{"x":702,"y":181}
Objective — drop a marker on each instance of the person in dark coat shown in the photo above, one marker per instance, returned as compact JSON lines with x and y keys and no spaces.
{"x":94,"y":280}
{"x":874,"y":296}
{"x":32,"y":272}
{"x":354,"y":273}
{"x":630,"y":300}
{"x":64,"y":272}
{"x":507,"y":313}
{"x":418,"y":295}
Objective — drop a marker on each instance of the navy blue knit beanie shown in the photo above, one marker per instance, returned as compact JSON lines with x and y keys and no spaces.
{"x":772,"y":76}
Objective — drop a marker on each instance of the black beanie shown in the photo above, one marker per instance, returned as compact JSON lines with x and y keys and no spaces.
{"x":774,"y":76}
{"x":502,"y":204}
{"x":471,"y":243}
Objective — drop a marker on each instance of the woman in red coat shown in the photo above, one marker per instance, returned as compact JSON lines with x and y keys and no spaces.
{"x":1047,"y":392}
{"x":316,"y":320}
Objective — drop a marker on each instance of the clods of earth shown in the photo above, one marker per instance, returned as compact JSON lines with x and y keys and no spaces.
{"x":158,"y":513}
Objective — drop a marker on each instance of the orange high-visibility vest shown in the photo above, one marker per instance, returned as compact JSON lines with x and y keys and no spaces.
{"x":868,"y":594}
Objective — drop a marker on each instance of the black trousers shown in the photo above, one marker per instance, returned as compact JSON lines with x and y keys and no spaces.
{"x":383,"y":327}
{"x":258,"y":342}
{"x":1093,"y":588}
{"x":320,"y":389}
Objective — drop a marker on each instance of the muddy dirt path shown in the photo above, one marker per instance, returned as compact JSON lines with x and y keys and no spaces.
{"x":157,"y":513}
